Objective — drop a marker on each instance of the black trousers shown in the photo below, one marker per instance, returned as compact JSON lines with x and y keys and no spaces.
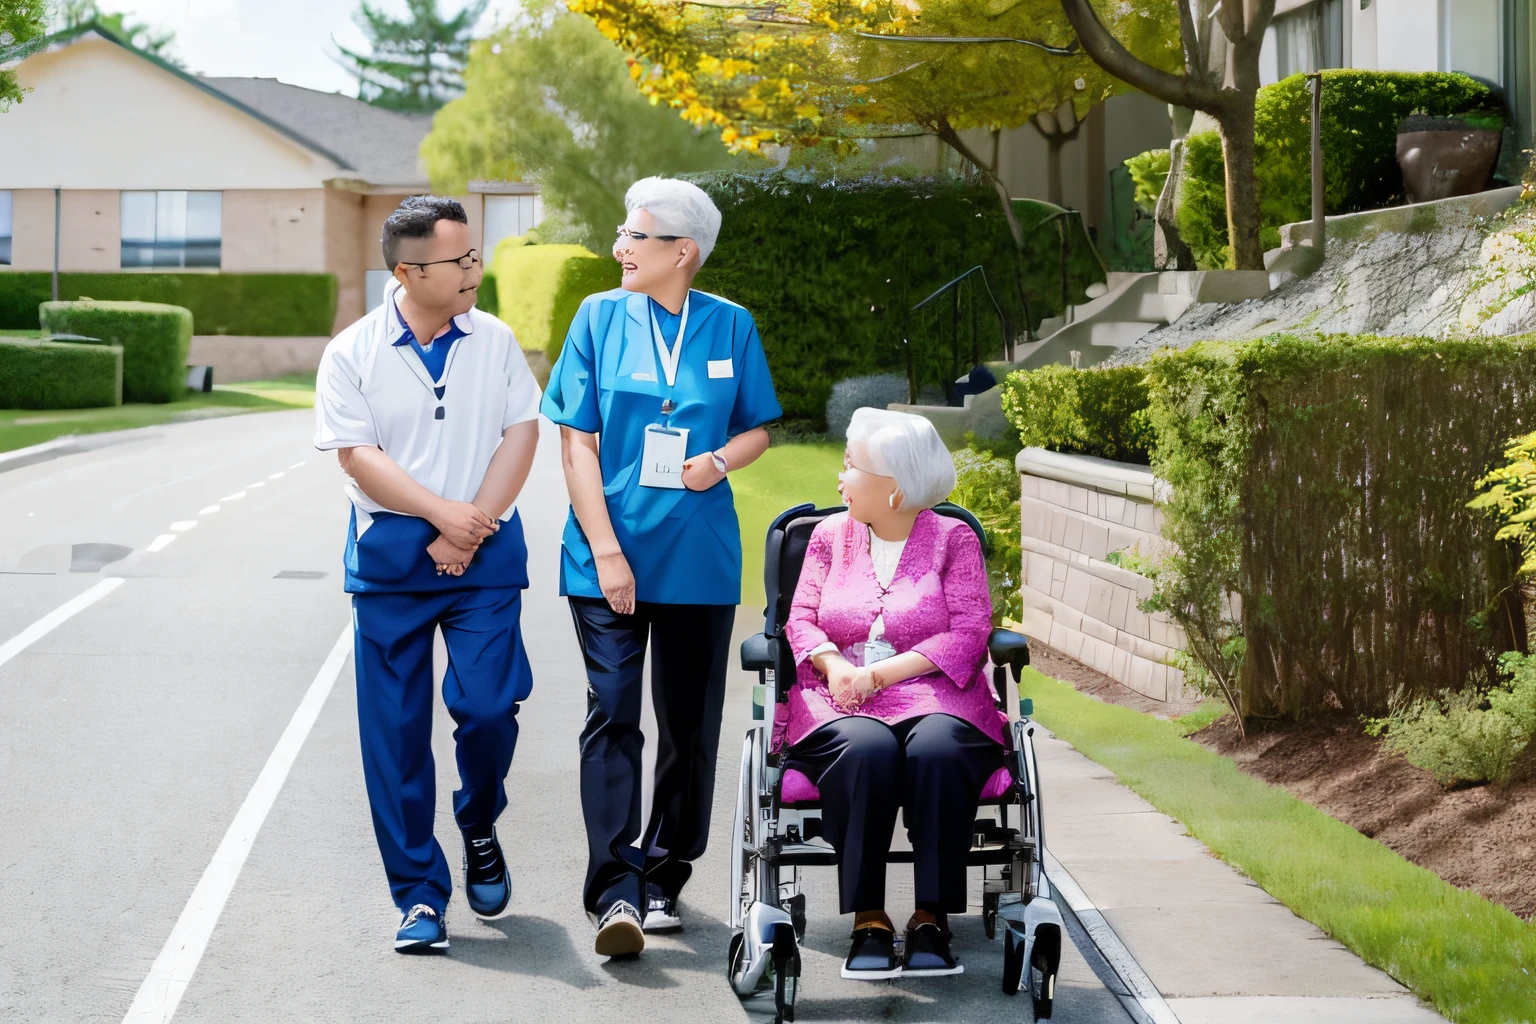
{"x":934,"y":767}
{"x":690,"y":647}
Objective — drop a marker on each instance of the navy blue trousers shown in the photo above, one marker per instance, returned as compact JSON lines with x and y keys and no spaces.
{"x":933,"y":767}
{"x":488,"y":674}
{"x":690,"y":649}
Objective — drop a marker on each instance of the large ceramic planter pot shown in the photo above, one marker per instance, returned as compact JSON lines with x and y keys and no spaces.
{"x":1443,"y":157}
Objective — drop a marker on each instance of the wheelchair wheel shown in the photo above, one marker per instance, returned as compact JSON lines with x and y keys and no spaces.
{"x":1044,"y":962}
{"x":796,"y":907}
{"x":1013,"y":963}
{"x":734,"y":956}
{"x":786,"y":977}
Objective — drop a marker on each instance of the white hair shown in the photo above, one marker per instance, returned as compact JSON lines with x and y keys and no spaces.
{"x":907,"y":447}
{"x":680,"y":208}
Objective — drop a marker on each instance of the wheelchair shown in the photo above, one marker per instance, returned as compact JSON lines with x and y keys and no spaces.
{"x":777,"y":813}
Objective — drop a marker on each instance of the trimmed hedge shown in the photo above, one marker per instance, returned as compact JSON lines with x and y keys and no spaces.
{"x":277,"y":305}
{"x":486,"y":298}
{"x":830,"y":269}
{"x":540,"y":287}
{"x":1326,"y":483}
{"x":1098,"y":411}
{"x":154,"y":339}
{"x":1361,"y":111}
{"x":59,"y":375}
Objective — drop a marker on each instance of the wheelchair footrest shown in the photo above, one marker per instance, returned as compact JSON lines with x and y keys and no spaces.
{"x":802,"y":855}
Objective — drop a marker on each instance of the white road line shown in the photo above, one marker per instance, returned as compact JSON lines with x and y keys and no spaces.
{"x":296,"y":465}
{"x":210,"y":510}
{"x":258,"y":483}
{"x":183,"y":525}
{"x":172,"y":972}
{"x":276,"y":476}
{"x":233,"y":497}
{"x":1109,"y":945}
{"x":161,"y":542}
{"x":48,"y":623}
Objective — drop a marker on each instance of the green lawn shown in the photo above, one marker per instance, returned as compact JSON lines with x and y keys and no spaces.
{"x":785,"y":476}
{"x":1474,"y":960}
{"x":22,"y":427}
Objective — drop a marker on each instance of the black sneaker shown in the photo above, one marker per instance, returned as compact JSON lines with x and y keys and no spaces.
{"x":872,"y":957}
{"x":927,"y":953}
{"x":661,"y":912}
{"x":619,"y":930}
{"x":487,"y":882}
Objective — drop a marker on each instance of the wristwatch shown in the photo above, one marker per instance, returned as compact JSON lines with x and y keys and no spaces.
{"x":719,"y":461}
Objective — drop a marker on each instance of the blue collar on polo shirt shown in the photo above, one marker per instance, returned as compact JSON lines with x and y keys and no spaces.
{"x":434,"y":354}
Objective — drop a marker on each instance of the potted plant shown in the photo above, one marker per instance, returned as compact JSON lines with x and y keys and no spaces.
{"x":1447,"y":156}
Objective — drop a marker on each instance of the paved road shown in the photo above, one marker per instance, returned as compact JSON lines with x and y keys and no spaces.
{"x":131,"y":735}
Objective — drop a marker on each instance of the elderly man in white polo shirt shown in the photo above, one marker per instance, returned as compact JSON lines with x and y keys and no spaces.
{"x":433,"y":413}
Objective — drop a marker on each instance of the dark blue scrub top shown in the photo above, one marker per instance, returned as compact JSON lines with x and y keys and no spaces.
{"x":684,"y":547}
{"x":435,"y":359}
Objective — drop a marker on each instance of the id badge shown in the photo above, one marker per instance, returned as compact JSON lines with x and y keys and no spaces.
{"x":661,"y":459}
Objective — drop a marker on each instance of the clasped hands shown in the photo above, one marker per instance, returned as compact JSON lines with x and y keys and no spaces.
{"x":461,"y":529}
{"x":850,"y":685}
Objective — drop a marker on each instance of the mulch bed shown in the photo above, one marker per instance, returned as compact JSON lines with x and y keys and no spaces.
{"x":1481,"y":838}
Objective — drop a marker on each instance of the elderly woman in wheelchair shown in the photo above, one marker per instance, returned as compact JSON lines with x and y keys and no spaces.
{"x":891,"y":709}
{"x":872,"y":657}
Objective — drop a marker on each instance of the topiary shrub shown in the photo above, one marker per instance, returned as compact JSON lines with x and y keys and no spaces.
{"x":989,"y":487}
{"x":1149,"y":171}
{"x":263,"y":305}
{"x":1361,"y":112}
{"x":154,"y":339}
{"x":486,"y":298}
{"x":1098,"y":411}
{"x":59,"y":375}
{"x":539,"y":288}
{"x":830,"y":271}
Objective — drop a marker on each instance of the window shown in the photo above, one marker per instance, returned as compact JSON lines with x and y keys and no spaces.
{"x":172,"y":229}
{"x":1310,"y":39}
{"x":5,"y":228}
{"x":508,"y":215}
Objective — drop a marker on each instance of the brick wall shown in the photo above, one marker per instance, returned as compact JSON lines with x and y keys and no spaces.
{"x":1074,"y":511}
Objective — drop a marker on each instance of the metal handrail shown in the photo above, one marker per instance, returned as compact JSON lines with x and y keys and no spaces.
{"x":949,"y":288}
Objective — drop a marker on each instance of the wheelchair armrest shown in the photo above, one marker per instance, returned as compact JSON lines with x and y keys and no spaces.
{"x":757,"y":653}
{"x":1009,"y":648}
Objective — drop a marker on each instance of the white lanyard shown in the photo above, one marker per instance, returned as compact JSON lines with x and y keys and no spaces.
{"x":670,"y":359}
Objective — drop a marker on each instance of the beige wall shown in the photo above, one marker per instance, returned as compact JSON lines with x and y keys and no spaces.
{"x":31,"y":229}
{"x":274,"y":230}
{"x":90,"y":239}
{"x":344,"y":244}
{"x":98,"y":116}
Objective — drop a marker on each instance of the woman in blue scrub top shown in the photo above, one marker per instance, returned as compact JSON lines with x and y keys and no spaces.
{"x":675,"y":385}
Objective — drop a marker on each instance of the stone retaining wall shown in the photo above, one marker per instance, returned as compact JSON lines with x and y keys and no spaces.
{"x":1075,"y":510}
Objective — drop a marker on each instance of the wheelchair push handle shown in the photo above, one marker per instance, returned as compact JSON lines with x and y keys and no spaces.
{"x":1009,"y":648}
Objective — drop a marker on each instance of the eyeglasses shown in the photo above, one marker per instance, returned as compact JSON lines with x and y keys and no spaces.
{"x":641,"y":236}
{"x":465,"y":262}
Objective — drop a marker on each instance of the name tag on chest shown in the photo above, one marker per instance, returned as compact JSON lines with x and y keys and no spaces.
{"x":662,"y":457}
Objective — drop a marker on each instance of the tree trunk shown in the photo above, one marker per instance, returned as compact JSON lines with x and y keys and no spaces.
{"x":1053,"y":169}
{"x":1243,"y":222}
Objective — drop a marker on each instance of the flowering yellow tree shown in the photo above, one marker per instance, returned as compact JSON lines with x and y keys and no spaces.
{"x":801,"y":72}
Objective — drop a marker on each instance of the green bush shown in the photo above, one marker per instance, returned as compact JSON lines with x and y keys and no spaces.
{"x":1471,"y":736}
{"x":1325,"y":482}
{"x":1149,"y":171}
{"x":989,"y":487}
{"x":486,"y":298}
{"x":539,"y":288}
{"x":829,"y":271}
{"x":1361,"y":111}
{"x":1098,"y":411}
{"x":59,"y":375}
{"x":1509,"y":494}
{"x":154,"y":339}
{"x":280,"y":305}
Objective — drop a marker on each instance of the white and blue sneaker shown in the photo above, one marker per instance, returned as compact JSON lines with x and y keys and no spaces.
{"x":661,"y":912}
{"x":487,"y":882}
{"x":619,"y":930}
{"x":424,"y":930}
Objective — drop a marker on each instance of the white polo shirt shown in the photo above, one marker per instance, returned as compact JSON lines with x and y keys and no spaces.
{"x":371,"y":391}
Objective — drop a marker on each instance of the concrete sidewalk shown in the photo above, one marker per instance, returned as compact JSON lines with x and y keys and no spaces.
{"x":1218,"y":948}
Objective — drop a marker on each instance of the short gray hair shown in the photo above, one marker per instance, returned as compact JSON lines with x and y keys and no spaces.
{"x":908,"y":448}
{"x":680,"y":208}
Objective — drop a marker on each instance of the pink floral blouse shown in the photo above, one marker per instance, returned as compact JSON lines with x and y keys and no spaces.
{"x":937,"y":604}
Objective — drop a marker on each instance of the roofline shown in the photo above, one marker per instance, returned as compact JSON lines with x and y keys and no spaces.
{"x":72,"y":35}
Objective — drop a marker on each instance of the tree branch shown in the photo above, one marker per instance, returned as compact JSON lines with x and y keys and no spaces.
{"x":1060,"y":51}
{"x":1261,"y":19}
{"x":1113,"y":57}
{"x":1191,"y":39}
